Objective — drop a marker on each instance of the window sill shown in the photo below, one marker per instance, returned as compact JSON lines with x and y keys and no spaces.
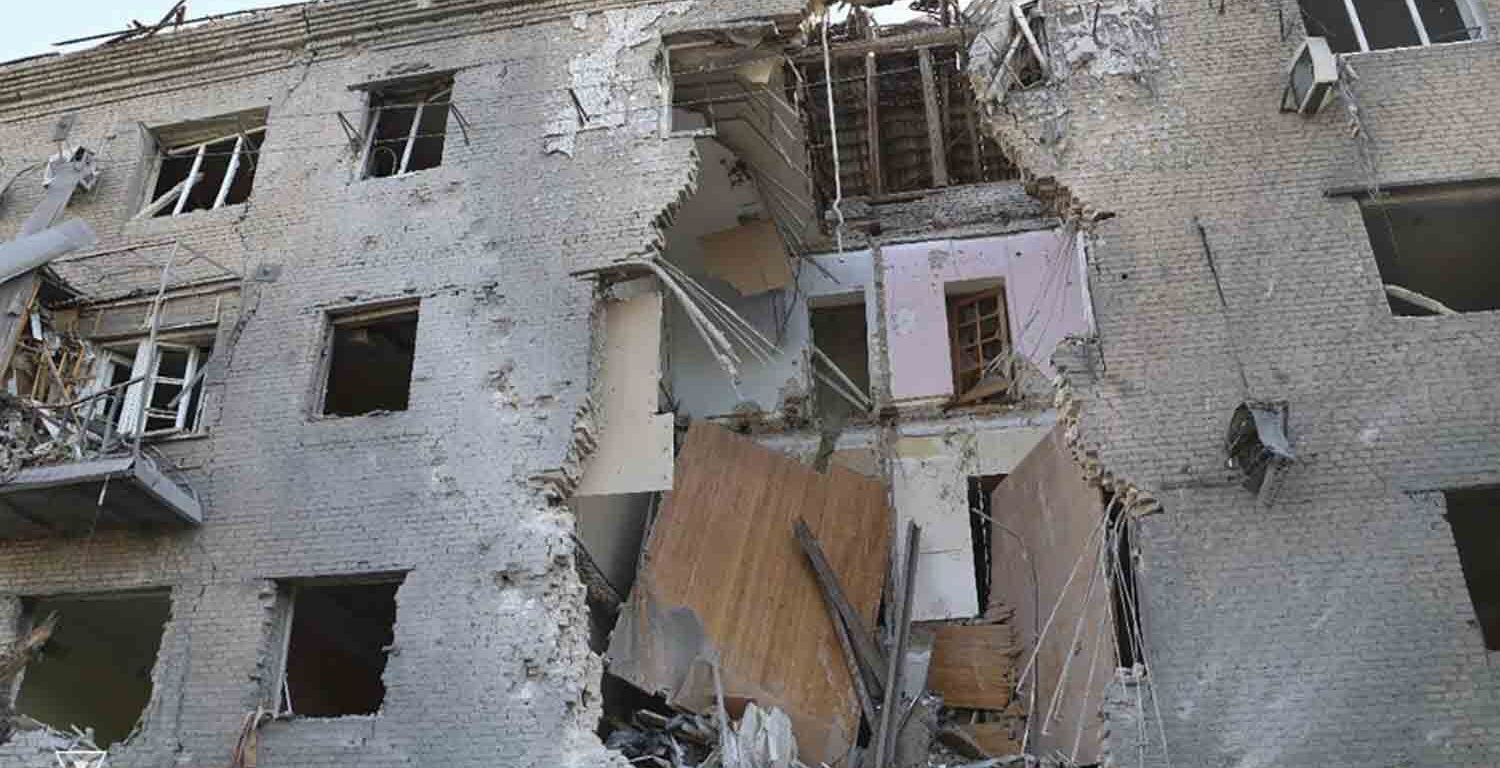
{"x":317,"y":418}
{"x":185,"y":437}
{"x":157,"y":224}
{"x":1406,"y":49}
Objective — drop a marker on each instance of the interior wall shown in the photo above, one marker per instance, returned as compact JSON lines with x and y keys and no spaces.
{"x":611,"y":529}
{"x":930,"y":471}
{"x":1045,"y":297}
{"x":96,"y":670}
{"x":1048,"y":505}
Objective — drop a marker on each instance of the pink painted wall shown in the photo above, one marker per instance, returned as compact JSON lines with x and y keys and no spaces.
{"x":1043,"y":290}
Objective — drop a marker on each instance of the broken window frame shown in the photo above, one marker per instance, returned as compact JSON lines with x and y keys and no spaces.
{"x":277,"y":696}
{"x":966,"y":393}
{"x":356,"y":316}
{"x":187,"y":415}
{"x":442,"y":83}
{"x":1471,"y":13}
{"x":177,"y":197}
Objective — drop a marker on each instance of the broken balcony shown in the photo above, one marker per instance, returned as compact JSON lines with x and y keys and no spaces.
{"x":78,"y":474}
{"x":75,"y":415}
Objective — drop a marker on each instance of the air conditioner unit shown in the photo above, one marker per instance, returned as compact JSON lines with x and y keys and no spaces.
{"x":1309,"y":77}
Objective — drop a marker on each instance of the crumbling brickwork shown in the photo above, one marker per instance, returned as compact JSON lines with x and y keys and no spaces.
{"x":490,"y":664}
{"x":1332,"y":627}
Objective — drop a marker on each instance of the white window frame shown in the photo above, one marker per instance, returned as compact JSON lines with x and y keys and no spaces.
{"x":177,"y":197}
{"x":372,"y":122}
{"x":185,"y":418}
{"x":1470,"y":11}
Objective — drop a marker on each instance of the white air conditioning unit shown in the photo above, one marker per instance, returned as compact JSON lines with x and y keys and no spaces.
{"x":1310,"y":77}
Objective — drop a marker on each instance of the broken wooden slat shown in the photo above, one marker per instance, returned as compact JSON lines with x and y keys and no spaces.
{"x":872,"y":122}
{"x":994,"y":738}
{"x":934,"y":120}
{"x":973,"y":666}
{"x":723,"y":577}
{"x":885,"y":736}
{"x":871,"y":659}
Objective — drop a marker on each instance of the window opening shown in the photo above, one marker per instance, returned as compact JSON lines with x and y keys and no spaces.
{"x":981,"y":532}
{"x":371,"y":354}
{"x":406,"y":127}
{"x":95,"y":671}
{"x":1474,"y":516}
{"x":979,"y":335}
{"x":1434,"y":247}
{"x":337,"y":636}
{"x":195,"y":175}
{"x":1371,"y":25}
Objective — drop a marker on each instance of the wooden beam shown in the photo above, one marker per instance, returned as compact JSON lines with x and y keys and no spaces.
{"x":934,"y":120}
{"x":885,"y":736}
{"x":936,"y":36}
{"x":871,"y":660}
{"x":872,"y":122}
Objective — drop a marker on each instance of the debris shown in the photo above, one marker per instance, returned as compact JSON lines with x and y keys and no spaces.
{"x":762,"y":739}
{"x":1258,"y":447}
{"x":15,"y":659}
{"x":1412,"y":297}
{"x":974,"y":666}
{"x":720,"y":583}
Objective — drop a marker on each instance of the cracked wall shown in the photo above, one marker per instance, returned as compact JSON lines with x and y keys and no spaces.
{"x":1332,"y":628}
{"x":463,"y":489}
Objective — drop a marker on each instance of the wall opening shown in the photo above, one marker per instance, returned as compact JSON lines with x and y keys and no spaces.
{"x":95,"y":671}
{"x":1122,"y":596}
{"x":336,"y":644}
{"x":406,"y":126}
{"x":840,"y":331}
{"x":1438,"y":241}
{"x":981,"y":528}
{"x":370,"y":356}
{"x":1474,"y":515}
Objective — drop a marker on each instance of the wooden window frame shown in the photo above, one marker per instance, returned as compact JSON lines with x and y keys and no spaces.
{"x":981,"y":387}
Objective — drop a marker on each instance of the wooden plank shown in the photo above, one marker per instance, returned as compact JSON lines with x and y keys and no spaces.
{"x":872,"y":122}
{"x":885,"y":737}
{"x":934,"y":120}
{"x":724,"y":576}
{"x":862,"y":640}
{"x":974,"y":666}
{"x":936,"y":36}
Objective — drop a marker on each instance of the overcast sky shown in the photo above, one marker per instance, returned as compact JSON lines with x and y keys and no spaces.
{"x":31,"y":26}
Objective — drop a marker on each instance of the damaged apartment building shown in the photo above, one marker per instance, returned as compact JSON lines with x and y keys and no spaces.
{"x":753,"y":385}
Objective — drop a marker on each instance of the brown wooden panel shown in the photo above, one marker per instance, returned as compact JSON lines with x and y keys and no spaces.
{"x":723,"y":550}
{"x":973,"y":666}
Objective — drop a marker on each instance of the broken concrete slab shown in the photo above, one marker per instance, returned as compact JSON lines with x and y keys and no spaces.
{"x":634,"y":454}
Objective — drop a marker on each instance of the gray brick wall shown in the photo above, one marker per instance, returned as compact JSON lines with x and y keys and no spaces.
{"x":1333,"y":628}
{"x":490,"y":665}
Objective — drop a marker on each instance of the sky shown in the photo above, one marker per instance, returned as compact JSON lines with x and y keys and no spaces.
{"x":31,"y":26}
